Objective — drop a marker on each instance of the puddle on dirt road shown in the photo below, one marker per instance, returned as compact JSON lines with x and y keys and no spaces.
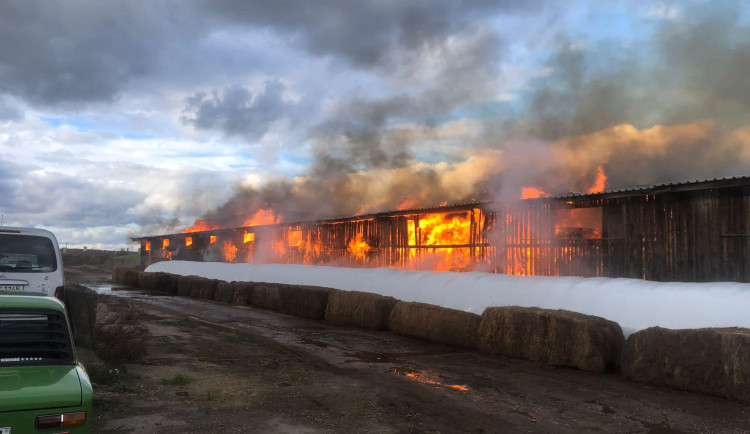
{"x":428,"y":377}
{"x":108,"y":288}
{"x":373,"y":357}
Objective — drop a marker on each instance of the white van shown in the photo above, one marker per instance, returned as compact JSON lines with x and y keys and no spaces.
{"x":30,"y":261}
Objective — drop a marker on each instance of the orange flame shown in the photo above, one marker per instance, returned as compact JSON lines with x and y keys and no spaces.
{"x":600,"y":183}
{"x":249,"y":237}
{"x":230,"y":251}
{"x":212,"y":239}
{"x":188,"y":241}
{"x":532,"y":193}
{"x":148,"y":246}
{"x":585,"y":223}
{"x":294,"y":238}
{"x":263,"y":217}
{"x":165,"y":243}
{"x":407,"y":203}
{"x":443,"y":229}
{"x":359,"y":247}
{"x":361,"y":211}
{"x":200,"y":226}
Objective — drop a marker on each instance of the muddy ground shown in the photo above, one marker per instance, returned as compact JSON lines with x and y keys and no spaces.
{"x":211,"y":367}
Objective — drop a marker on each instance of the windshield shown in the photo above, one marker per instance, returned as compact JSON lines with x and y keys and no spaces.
{"x":27,"y":254}
{"x":34,"y":337}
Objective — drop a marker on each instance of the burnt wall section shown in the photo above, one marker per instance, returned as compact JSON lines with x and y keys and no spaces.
{"x":690,"y":232}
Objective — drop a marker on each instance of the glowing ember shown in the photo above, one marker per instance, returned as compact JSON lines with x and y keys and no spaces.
{"x":249,"y":237}
{"x":200,"y":226}
{"x":188,"y":241}
{"x":532,"y":193}
{"x":358,"y":247}
{"x":430,"y":378}
{"x":263,"y":217}
{"x":600,"y":183}
{"x":230,"y":251}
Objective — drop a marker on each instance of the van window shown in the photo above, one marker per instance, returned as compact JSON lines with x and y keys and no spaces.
{"x":27,"y":254}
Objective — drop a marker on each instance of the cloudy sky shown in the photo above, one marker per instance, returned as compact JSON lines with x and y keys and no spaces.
{"x":135,"y":118}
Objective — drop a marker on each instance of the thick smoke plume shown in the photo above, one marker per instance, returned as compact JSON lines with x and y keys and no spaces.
{"x":671,"y":109}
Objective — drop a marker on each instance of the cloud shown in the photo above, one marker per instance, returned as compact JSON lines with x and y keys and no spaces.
{"x":364,"y":33}
{"x":74,"y":52}
{"x":238,"y":112}
{"x":34,"y":196}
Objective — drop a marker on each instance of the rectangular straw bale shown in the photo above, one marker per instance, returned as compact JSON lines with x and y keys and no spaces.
{"x":359,"y":309}
{"x":196,"y":286}
{"x":130,"y":278}
{"x":434,"y":323}
{"x":304,"y":301}
{"x":225,"y":292}
{"x":714,"y":361}
{"x":266,"y":296}
{"x":118,"y":274}
{"x":208,"y":289}
{"x":146,"y":281}
{"x":166,"y":282}
{"x":243,"y":293}
{"x":183,"y":285}
{"x":556,"y":337}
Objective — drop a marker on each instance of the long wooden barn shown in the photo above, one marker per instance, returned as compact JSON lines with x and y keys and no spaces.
{"x":692,"y":231}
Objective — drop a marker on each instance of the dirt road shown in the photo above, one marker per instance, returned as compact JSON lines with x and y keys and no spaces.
{"x":211,"y":367}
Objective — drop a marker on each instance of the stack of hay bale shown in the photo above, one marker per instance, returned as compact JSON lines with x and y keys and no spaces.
{"x":713,"y":361}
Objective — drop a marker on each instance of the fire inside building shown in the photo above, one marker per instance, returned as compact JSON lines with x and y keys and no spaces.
{"x":694,"y":231}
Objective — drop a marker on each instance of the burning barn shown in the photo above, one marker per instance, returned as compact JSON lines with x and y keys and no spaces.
{"x":693,"y":231}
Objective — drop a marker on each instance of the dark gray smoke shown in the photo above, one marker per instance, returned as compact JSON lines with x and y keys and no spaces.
{"x":598,"y":107}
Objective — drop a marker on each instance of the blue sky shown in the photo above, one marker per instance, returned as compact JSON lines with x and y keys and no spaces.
{"x":121,"y":120}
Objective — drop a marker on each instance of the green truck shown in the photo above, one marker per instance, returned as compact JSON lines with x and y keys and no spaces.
{"x":43,"y":387}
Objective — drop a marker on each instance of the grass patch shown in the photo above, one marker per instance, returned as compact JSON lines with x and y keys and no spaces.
{"x":179,"y":379}
{"x":243,"y":338}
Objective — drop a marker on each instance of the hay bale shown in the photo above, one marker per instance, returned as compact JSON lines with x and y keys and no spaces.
{"x":556,"y":337}
{"x":183,"y":285}
{"x":119,"y":273}
{"x":81,"y":303}
{"x":434,"y":323}
{"x":359,"y":309}
{"x":203,"y":288}
{"x":714,"y":361}
{"x":196,"y":284}
{"x":266,"y":296}
{"x":243,"y":293}
{"x":130,"y":278}
{"x":146,"y":281}
{"x":304,"y":301}
{"x":166,"y":282}
{"x":208,"y":291}
{"x":224,"y":292}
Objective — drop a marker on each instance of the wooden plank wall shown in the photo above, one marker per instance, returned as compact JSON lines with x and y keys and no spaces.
{"x":698,"y":235}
